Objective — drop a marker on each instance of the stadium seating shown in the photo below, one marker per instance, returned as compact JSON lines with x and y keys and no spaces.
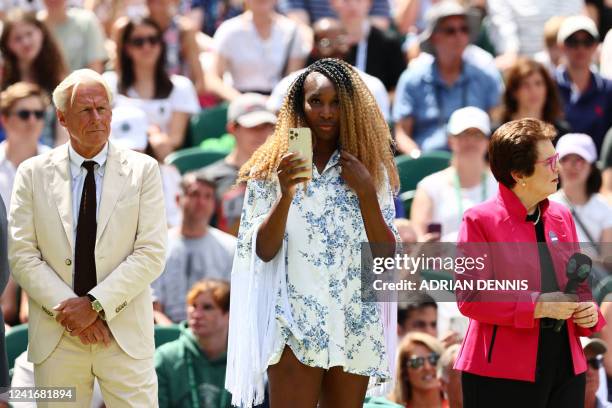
{"x":207,"y":124}
{"x":411,"y":171}
{"x":193,"y":158}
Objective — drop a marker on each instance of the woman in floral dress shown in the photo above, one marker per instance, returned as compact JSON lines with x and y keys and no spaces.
{"x":296,"y":306}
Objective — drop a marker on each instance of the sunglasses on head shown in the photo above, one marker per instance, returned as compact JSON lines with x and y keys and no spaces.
{"x":141,"y":41}
{"x":551,"y":161}
{"x":574,"y":42}
{"x":449,"y":31}
{"x":418,"y":362}
{"x":594,"y":362}
{"x":25,"y":114}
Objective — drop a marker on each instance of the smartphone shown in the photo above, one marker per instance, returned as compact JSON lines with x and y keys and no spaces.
{"x":300,"y":141}
{"x":434,"y":227}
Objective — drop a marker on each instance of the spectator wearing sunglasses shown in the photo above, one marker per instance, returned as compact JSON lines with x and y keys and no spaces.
{"x":428,"y":92}
{"x":512,"y":348}
{"x":596,"y":389}
{"x":586,"y":95}
{"x":416,"y":381}
{"x":141,"y":80}
{"x":22,"y":110}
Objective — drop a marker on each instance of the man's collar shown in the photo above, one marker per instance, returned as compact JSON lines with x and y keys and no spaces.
{"x":434,"y":73}
{"x":76,"y":160}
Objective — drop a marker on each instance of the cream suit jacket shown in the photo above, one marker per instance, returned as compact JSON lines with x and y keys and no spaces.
{"x":129,"y":252}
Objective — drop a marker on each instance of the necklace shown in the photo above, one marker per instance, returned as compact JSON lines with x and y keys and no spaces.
{"x":538,"y":217}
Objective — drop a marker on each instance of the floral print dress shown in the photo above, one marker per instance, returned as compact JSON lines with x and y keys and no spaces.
{"x":322,"y":319}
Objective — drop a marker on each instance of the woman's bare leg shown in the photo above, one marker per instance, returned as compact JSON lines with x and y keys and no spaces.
{"x":293,"y":384}
{"x":343,"y":390}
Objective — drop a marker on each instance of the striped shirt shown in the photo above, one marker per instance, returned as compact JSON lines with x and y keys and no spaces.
{"x":518,"y":25}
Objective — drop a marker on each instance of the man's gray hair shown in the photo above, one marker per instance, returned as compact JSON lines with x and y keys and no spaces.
{"x":66,"y":90}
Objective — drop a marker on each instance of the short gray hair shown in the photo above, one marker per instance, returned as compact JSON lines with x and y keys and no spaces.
{"x":66,"y":89}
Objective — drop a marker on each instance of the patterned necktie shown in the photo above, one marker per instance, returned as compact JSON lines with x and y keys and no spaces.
{"x":84,"y":258}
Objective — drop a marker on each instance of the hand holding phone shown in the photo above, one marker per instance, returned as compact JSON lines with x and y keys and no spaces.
{"x":300,"y":141}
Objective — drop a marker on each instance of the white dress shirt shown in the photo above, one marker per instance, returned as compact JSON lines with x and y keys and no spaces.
{"x":78,"y":180}
{"x":8,"y":171}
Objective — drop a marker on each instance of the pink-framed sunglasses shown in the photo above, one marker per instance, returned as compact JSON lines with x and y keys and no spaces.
{"x":551,"y":161}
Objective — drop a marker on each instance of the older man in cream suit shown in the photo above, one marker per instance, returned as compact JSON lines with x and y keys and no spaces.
{"x":87,"y":236}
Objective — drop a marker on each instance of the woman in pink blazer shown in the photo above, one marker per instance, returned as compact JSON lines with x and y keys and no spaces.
{"x":512,"y":356}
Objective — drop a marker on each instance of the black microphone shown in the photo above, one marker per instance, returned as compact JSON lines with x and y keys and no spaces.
{"x":577,"y":270}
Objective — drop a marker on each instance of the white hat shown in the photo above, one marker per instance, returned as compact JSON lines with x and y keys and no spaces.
{"x":129,"y":127}
{"x":597,"y":345}
{"x":469,"y":117}
{"x":435,"y":14}
{"x":249,"y":110}
{"x":573,"y":24}
{"x":577,"y":143}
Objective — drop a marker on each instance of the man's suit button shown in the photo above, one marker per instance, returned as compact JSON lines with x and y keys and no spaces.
{"x":68,"y":262}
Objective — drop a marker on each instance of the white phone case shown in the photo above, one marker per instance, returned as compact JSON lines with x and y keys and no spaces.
{"x":300,"y":141}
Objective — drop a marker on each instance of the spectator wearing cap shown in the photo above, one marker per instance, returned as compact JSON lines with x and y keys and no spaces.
{"x":594,"y":348}
{"x":429,"y":92}
{"x":442,"y":197}
{"x":330,"y":41}
{"x":251,"y":123}
{"x":580,"y":184}
{"x":129,"y":130}
{"x":586,"y":95}
{"x":195,"y":249}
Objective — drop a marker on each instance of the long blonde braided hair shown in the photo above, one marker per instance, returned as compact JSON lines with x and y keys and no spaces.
{"x":363,"y":130}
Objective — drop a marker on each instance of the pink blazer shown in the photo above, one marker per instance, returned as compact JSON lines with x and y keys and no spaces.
{"x":502,"y":337}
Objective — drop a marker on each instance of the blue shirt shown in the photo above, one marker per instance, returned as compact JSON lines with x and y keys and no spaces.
{"x":422,"y":95}
{"x":78,"y":174}
{"x":589,"y":112}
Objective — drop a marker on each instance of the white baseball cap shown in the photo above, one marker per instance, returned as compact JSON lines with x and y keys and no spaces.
{"x":249,"y":110}
{"x":469,"y":117}
{"x":129,"y":128}
{"x":573,"y":24}
{"x":577,"y":143}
